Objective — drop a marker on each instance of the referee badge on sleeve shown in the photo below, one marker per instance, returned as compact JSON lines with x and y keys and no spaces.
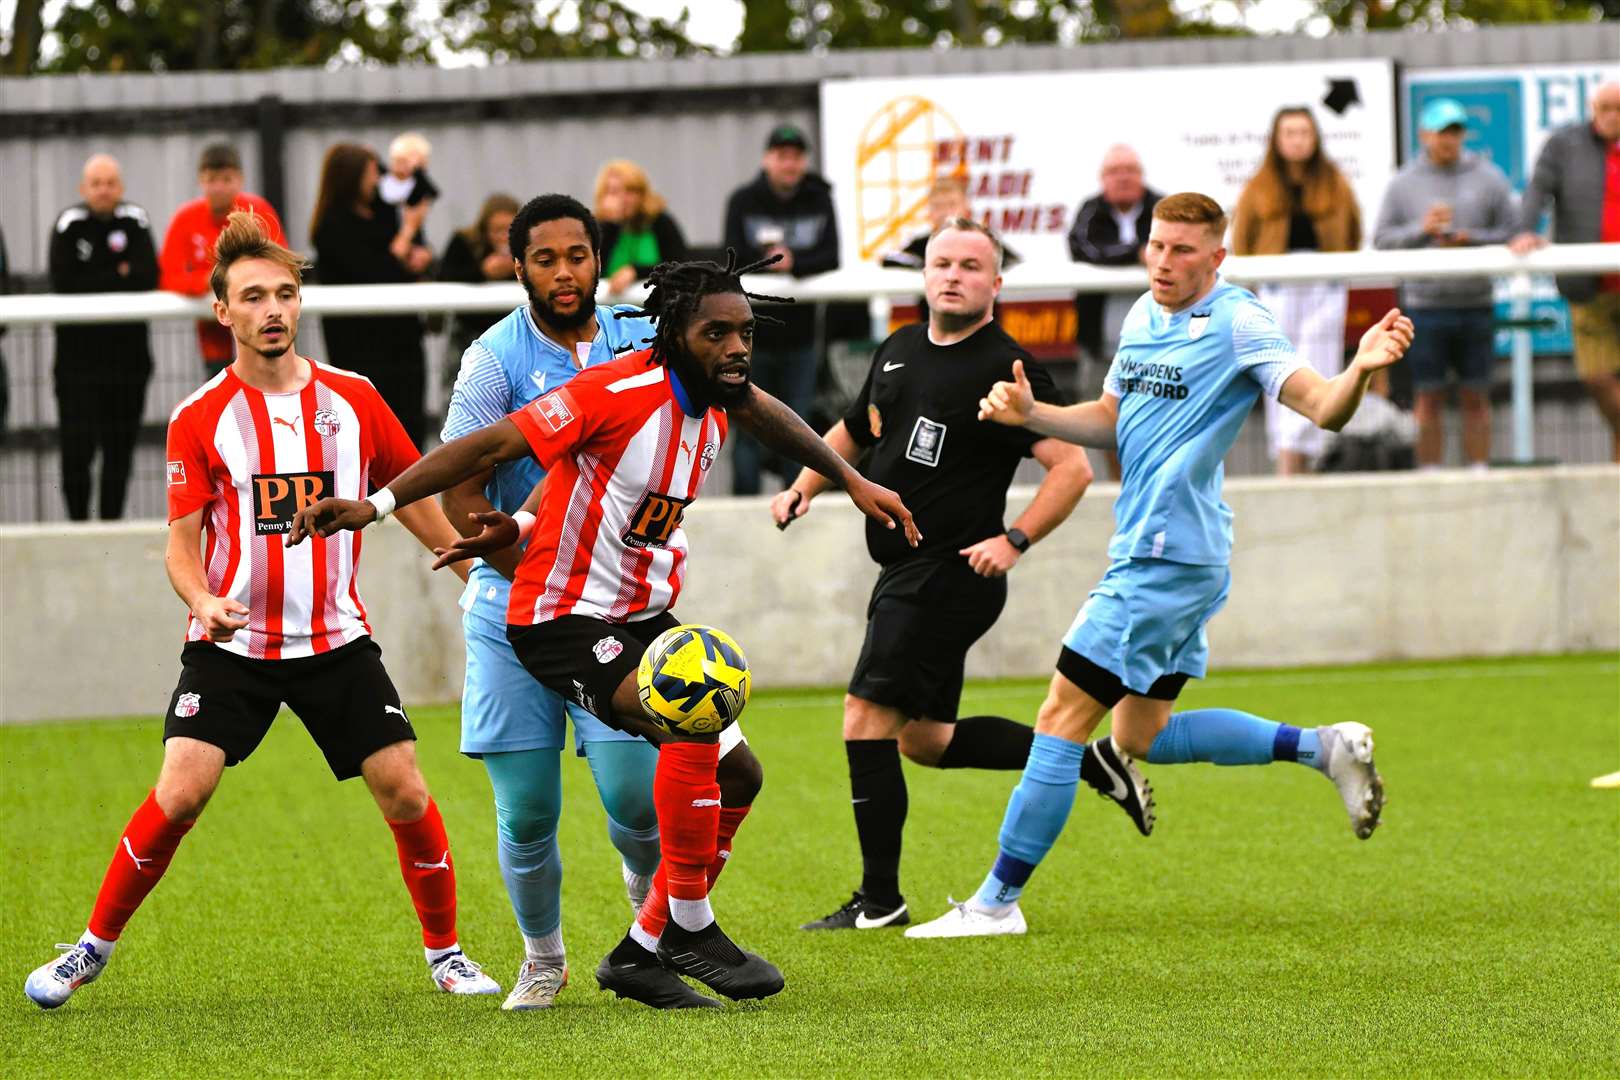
{"x":927,"y":441}
{"x":874,"y":420}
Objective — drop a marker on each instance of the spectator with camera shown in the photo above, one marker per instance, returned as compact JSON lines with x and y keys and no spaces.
{"x":1448,"y":197}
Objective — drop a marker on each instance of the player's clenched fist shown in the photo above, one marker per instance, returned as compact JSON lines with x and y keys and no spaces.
{"x":1385,"y":342}
{"x":329,"y":516}
{"x":1009,"y":403}
{"x":221,"y":617}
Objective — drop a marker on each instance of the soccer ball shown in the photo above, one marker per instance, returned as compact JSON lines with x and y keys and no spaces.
{"x":693,"y":680}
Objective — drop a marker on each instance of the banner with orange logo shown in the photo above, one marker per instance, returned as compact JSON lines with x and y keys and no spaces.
{"x":1029,"y":146}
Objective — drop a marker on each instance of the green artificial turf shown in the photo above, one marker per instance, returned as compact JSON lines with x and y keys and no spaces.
{"x":1476,"y":934}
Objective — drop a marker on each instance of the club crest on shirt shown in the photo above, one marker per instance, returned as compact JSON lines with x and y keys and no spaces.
{"x":187,"y":705}
{"x":927,"y":441}
{"x":607,"y":649}
{"x":326,"y":423}
{"x":177,"y":474}
{"x":874,"y":420}
{"x":1197,"y":323}
{"x":118,"y":240}
{"x":710,"y":451}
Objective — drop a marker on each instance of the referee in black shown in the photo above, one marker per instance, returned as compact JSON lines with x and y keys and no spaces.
{"x":916,"y":419}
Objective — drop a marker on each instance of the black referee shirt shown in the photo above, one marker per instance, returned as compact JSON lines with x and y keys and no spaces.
{"x":918,"y":412}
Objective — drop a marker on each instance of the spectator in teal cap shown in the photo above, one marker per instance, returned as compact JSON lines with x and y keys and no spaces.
{"x":1446,"y":197}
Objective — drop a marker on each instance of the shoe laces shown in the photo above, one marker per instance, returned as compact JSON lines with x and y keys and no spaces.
{"x":458,"y":965}
{"x":535,"y":973}
{"x":77,"y":962}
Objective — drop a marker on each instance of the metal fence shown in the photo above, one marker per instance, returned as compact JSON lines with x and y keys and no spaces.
{"x":1540,"y":409}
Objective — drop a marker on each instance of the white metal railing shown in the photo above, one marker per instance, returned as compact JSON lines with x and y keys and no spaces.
{"x":880,"y":286}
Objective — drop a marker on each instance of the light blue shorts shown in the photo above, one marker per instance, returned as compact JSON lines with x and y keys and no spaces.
{"x":504,"y":708}
{"x":1146,"y":619}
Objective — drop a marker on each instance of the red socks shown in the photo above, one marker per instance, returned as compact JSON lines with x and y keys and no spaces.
{"x":424,"y":862}
{"x":143,"y":853}
{"x":687,"y":798}
{"x":655,"y":912}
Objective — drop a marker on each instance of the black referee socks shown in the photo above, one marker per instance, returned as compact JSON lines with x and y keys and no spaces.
{"x":877,"y":791}
{"x":988,"y":742}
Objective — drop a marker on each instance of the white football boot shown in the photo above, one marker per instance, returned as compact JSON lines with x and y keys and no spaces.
{"x":456,"y":974}
{"x":536,"y":988}
{"x":49,"y":985}
{"x":1347,"y":760}
{"x":965,"y":921}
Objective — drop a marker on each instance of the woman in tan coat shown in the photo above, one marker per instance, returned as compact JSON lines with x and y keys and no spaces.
{"x":1299,"y":201}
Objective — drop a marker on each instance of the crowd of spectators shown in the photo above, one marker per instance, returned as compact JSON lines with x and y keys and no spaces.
{"x":369,"y":226}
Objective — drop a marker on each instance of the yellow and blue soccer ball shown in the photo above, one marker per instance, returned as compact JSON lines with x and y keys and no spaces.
{"x":693,"y":680}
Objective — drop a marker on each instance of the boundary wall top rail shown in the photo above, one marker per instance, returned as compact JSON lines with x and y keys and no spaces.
{"x":858,"y":283}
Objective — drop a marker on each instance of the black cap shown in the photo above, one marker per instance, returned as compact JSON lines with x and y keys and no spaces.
{"x":787,"y":135}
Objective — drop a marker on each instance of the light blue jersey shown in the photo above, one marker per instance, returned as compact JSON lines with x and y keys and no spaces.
{"x":1185,"y":383}
{"x":503,"y":708}
{"x":510,"y":365}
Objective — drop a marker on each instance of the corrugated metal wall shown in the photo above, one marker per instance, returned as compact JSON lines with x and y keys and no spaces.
{"x":697,"y":125}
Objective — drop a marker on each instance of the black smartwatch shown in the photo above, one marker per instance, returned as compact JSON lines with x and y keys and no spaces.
{"x":1018,"y":540}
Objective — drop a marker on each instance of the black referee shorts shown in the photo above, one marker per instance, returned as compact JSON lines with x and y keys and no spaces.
{"x":924,"y":616}
{"x":344,"y":697}
{"x":585,"y":659}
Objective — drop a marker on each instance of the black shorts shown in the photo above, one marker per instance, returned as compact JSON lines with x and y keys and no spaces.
{"x":344,"y":697}
{"x":923,"y":617}
{"x":585,"y":659}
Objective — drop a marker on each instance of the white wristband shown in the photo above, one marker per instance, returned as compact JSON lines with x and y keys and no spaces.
{"x":383,"y":500}
{"x":525,"y":524}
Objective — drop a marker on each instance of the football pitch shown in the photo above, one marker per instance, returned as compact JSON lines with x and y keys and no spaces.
{"x":1476,"y":934}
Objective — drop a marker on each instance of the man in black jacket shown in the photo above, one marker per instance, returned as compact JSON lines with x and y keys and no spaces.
{"x":100,"y":245}
{"x":1109,"y":230}
{"x":786,"y":210}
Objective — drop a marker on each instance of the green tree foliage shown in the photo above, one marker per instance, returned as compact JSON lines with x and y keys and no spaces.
{"x":1435,"y":14}
{"x":236,"y":35}
{"x":795,"y":25}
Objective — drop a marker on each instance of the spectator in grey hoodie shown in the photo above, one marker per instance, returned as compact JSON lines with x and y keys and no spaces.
{"x":1578,"y":173}
{"x":1446,"y":197}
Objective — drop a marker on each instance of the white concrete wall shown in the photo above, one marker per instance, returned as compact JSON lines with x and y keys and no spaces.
{"x":1327,"y":570}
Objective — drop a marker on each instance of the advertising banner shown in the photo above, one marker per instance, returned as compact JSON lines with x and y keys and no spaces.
{"x":1029,"y":146}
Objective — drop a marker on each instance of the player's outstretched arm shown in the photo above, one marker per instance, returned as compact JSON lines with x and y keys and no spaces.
{"x":220,"y":616}
{"x":779,"y":428}
{"x":497,"y":539}
{"x":426,"y":522}
{"x":1330,"y":403}
{"x":795,"y":501}
{"x":470,"y":455}
{"x":1090,"y":423}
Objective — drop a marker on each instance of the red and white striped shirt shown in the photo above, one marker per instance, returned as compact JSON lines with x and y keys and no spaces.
{"x":623,"y":461}
{"x":252,"y":460}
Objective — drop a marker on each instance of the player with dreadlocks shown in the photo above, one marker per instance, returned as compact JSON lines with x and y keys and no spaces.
{"x":626,"y":446}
